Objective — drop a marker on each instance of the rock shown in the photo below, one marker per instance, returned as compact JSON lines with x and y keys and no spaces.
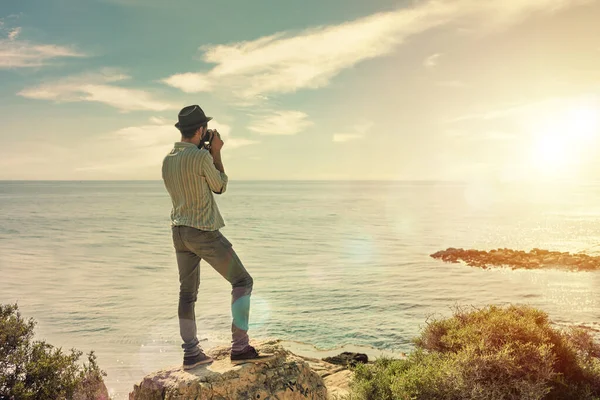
{"x":92,"y":388}
{"x":338,"y":384}
{"x":348,"y":359}
{"x":516,"y":259}
{"x":285,"y":376}
{"x":336,"y":377}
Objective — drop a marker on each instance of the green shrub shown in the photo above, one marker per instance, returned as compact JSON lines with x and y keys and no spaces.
{"x":36,"y":370}
{"x":490,"y":353}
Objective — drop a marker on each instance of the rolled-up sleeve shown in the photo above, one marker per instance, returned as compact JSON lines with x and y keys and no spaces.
{"x":217,"y":180}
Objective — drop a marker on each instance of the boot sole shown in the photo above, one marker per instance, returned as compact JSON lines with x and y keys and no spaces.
{"x":203,"y":362}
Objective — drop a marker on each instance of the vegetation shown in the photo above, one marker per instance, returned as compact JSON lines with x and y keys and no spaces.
{"x":35,"y":369}
{"x":490,"y":353}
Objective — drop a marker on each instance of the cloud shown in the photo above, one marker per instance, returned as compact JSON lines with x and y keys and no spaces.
{"x":148,"y":135}
{"x":541,"y":108}
{"x":486,"y":135}
{"x":190,"y":82}
{"x":23,"y":54}
{"x":12,"y":35}
{"x":15,"y":53}
{"x":286,"y":62}
{"x":158,"y":121}
{"x":360,"y":130}
{"x":94,"y":87}
{"x":149,"y":143}
{"x":225,"y":132}
{"x":345,"y":137}
{"x":283,"y":63}
{"x":432,"y":61}
{"x":235,"y":143}
{"x":281,"y":123}
{"x":128,"y":150}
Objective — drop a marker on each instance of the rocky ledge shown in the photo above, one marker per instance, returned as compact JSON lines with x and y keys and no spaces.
{"x":515,"y":259}
{"x":285,"y":376}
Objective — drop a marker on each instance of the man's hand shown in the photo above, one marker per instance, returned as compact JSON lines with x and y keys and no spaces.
{"x":216,"y":143}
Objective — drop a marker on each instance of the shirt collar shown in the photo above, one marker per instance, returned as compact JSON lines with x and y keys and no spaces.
{"x":181,"y":145}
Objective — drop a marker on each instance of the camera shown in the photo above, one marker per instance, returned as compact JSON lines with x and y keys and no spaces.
{"x":206,"y":140}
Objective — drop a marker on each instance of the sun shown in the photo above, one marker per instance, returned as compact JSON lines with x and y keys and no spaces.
{"x":562,"y":137}
{"x":550,"y":154}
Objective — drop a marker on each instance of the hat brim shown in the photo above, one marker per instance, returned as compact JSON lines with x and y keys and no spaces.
{"x":194,"y":126}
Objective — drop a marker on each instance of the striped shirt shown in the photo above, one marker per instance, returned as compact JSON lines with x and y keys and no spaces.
{"x":191,"y":179}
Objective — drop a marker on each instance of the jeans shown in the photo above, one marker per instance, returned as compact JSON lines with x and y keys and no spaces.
{"x":191,"y":246}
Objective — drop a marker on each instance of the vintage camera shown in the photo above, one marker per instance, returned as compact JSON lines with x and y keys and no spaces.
{"x":206,"y":141}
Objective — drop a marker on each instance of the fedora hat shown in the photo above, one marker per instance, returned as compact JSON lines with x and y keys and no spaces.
{"x":191,"y":117}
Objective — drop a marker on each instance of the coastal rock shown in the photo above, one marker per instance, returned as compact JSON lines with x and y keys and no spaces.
{"x":518,"y":259}
{"x":92,"y":388}
{"x":347,"y":359}
{"x":338,"y":384}
{"x":336,"y":377}
{"x":285,"y":376}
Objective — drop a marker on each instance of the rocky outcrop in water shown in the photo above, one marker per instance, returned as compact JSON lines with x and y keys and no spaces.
{"x":517,"y":259}
{"x":285,"y":376}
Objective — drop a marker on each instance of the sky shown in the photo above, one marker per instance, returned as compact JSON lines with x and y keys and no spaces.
{"x":311,"y":90}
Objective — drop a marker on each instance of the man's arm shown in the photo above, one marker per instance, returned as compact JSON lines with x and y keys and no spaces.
{"x":218,"y":163}
{"x":214,"y":172}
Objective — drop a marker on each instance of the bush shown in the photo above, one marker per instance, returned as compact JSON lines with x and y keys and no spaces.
{"x":36,"y":370}
{"x":490,"y":353}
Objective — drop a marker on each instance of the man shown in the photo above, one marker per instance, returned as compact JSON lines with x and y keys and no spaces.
{"x":192,"y":172}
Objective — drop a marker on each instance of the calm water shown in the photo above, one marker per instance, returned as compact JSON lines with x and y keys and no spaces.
{"x":334,"y":263}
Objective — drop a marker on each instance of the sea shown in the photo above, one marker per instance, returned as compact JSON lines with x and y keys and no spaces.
{"x":336,"y":264}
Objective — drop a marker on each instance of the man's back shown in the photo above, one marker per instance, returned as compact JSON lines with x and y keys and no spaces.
{"x":190,"y":177}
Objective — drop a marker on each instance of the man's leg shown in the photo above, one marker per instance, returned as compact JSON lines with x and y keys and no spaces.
{"x":218,"y":252}
{"x":189,"y":281}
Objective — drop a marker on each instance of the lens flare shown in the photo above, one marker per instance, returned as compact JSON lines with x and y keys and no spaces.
{"x":260,"y":311}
